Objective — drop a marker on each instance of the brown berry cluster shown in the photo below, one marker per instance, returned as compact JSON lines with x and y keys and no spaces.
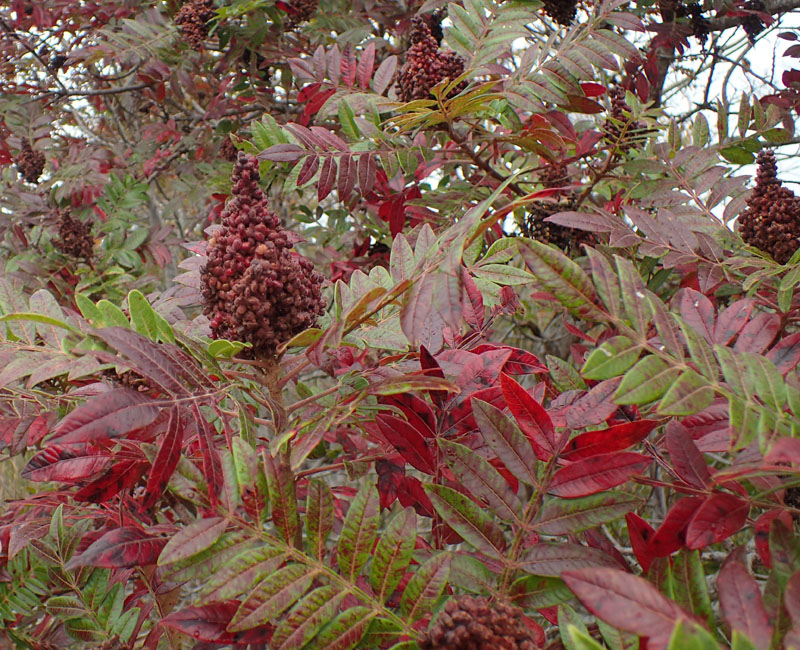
{"x":228,"y":150}
{"x":303,"y":10}
{"x":193,"y":19}
{"x":74,"y":237}
{"x":470,"y":623}
{"x":562,"y":11}
{"x":30,"y":163}
{"x":255,"y":288}
{"x":771,"y":221}
{"x":426,"y":65}
{"x":621,"y":131}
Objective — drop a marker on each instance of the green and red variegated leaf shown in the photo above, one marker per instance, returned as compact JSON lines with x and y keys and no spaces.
{"x":538,"y":592}
{"x":283,"y":497}
{"x":359,"y":531}
{"x":569,"y":516}
{"x":319,"y":517}
{"x":481,"y":480}
{"x":393,"y":553}
{"x":615,"y":438}
{"x":276,"y":593}
{"x":720,"y":516}
{"x":690,"y":589}
{"x":597,"y":473}
{"x":209,"y":623}
{"x":66,"y":463}
{"x":425,"y":586}
{"x":506,"y":440}
{"x":166,"y":459}
{"x":196,"y":537}
{"x":346,"y":630}
{"x":531,"y":417}
{"x":107,"y":416}
{"x":553,"y":558}
{"x":121,"y":547}
{"x":468,"y":519}
{"x":306,"y":618}
{"x":627,"y":602}
{"x":241,"y":573}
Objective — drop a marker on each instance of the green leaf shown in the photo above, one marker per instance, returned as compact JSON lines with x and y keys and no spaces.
{"x":690,"y":589}
{"x":425,"y":586}
{"x":741,"y":642}
{"x":88,"y":309}
{"x":737,"y":155}
{"x":537,"y":592}
{"x":568,"y":516}
{"x":112,"y":315}
{"x":39,"y":318}
{"x":564,"y":374}
{"x":690,"y":636}
{"x":272,"y":596}
{"x":646,"y":382}
{"x":146,"y":320}
{"x":468,"y":519}
{"x":65,"y":607}
{"x":306,"y":618}
{"x":562,"y":277}
{"x":689,"y":394}
{"x":569,"y":618}
{"x":319,"y":517}
{"x":359,"y":531}
{"x":700,"y":131}
{"x":196,"y":537}
{"x":581,"y":640}
{"x":633,"y":294}
{"x":241,"y":573}
{"x":224,"y":349}
{"x":482,"y":480}
{"x":345,"y":631}
{"x":611,"y":359}
{"x":393,"y":553}
{"x":503,"y":274}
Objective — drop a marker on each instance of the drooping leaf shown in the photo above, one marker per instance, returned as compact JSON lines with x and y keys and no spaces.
{"x":531,"y":417}
{"x":346,"y":630}
{"x":283,"y":497}
{"x":166,"y":459}
{"x":506,"y":440}
{"x":690,"y":589}
{"x":120,"y":547}
{"x":359,"y":531}
{"x":686,"y":458}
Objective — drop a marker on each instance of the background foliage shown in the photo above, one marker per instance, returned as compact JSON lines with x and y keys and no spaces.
{"x":551,"y":374}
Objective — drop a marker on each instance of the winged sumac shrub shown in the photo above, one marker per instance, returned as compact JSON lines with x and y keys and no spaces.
{"x":492,"y":368}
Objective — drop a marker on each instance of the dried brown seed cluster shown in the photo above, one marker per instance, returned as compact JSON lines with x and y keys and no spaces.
{"x":30,"y":163}
{"x":553,"y":175}
{"x":304,"y":10}
{"x":74,"y":237}
{"x":255,"y":288}
{"x":193,"y":19}
{"x":752,"y":24}
{"x":228,"y":150}
{"x":562,"y":11}
{"x":567,"y":239}
{"x":470,"y":623}
{"x":620,"y":129}
{"x":771,"y":221}
{"x":426,"y":65}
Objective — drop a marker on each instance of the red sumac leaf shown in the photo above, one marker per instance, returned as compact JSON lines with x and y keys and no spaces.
{"x":740,"y":602}
{"x":119,"y":548}
{"x":348,"y":65}
{"x":347,"y":177}
{"x":531,"y":417}
{"x":640,"y":534}
{"x":283,"y":152}
{"x":416,"y":410}
{"x":627,"y":602}
{"x":193,"y":539}
{"x":474,"y":311}
{"x":591,"y":475}
{"x":384,"y":74}
{"x":307,"y":92}
{"x":686,"y":458}
{"x":109,"y":415}
{"x":698,"y":312}
{"x":408,"y":441}
{"x":366,"y":65}
{"x":65,"y":463}
{"x":762,"y":527}
{"x":367,"y":169}
{"x":553,"y":558}
{"x":209,"y":624}
{"x":309,"y":168}
{"x":670,"y":535}
{"x":732,"y":320}
{"x":166,"y":459}
{"x":758,"y":333}
{"x":122,"y":475}
{"x":720,"y":516}
{"x":785,"y":354}
{"x":616,"y":438}
{"x":326,"y":178}
{"x":791,"y":598}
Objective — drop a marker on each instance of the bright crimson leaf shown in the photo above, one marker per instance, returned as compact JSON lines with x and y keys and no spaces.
{"x":65,"y":463}
{"x":121,"y":547}
{"x":591,"y":475}
{"x":166,"y":459}
{"x":210,"y":622}
{"x":616,"y":438}
{"x":686,"y":458}
{"x":640,"y":534}
{"x":531,"y":417}
{"x":720,"y":516}
{"x":408,"y":440}
{"x":670,"y":535}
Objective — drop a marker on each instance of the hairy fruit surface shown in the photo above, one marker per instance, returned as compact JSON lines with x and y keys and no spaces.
{"x":30,"y":163}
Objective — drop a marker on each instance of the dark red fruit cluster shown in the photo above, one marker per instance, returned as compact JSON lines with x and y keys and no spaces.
{"x":751,"y":23}
{"x":193,"y":19}
{"x":469,"y":623}
{"x":771,"y":221}
{"x":699,"y":23}
{"x":620,"y":129}
{"x":426,"y":65}
{"x":74,"y":237}
{"x":30,"y":163}
{"x":303,"y":10}
{"x":255,"y":288}
{"x":562,"y":11}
